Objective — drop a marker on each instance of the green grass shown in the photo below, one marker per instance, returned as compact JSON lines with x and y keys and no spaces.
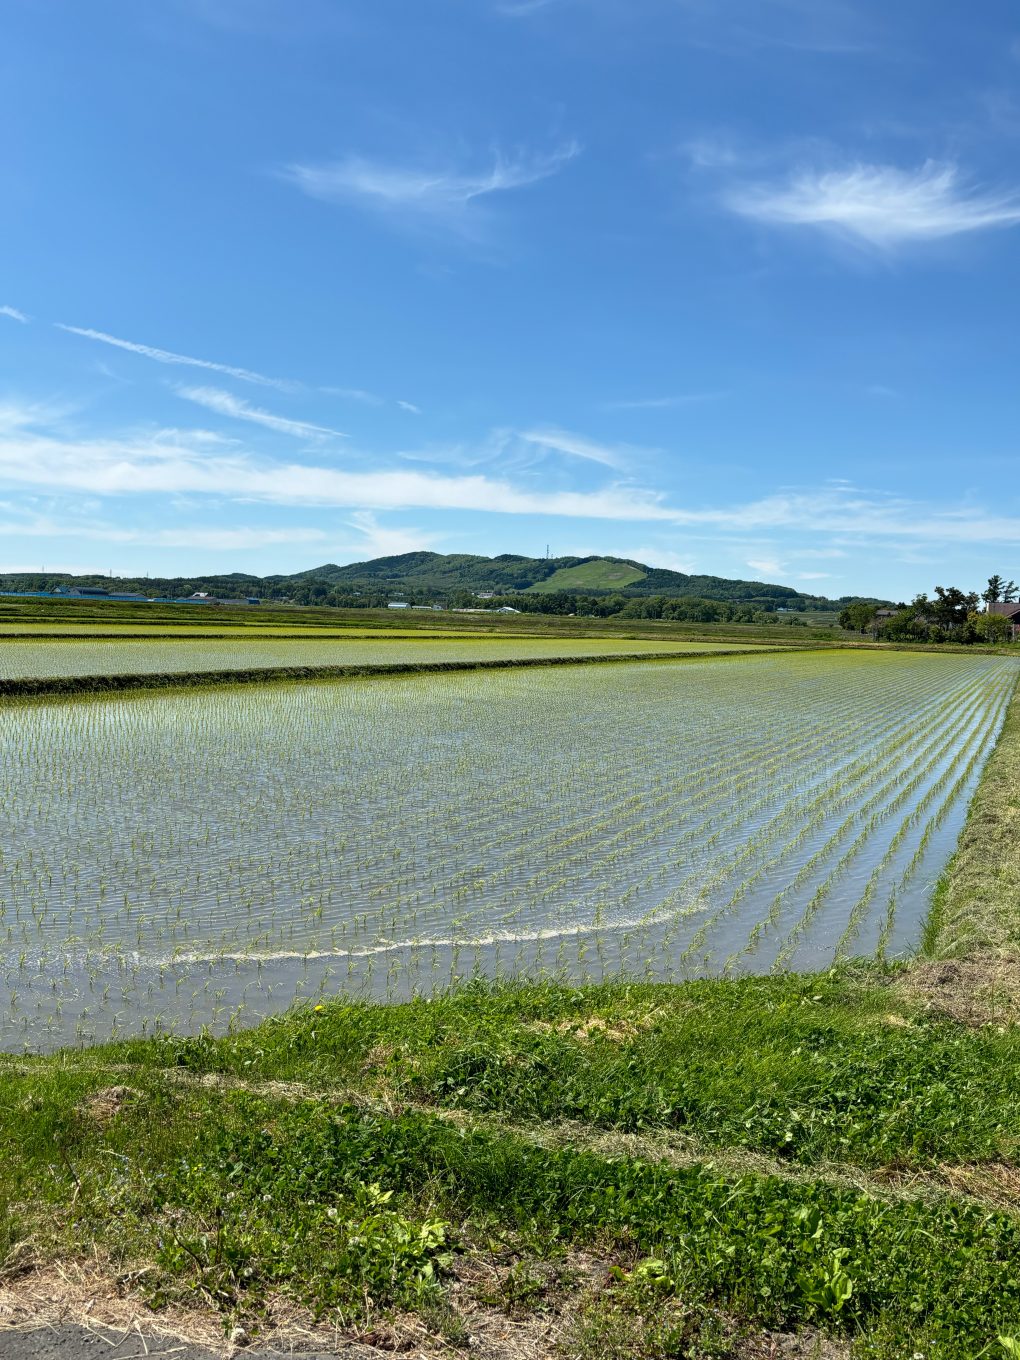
{"x":977,"y":902}
{"x":598,"y":575}
{"x":351,"y":1158}
{"x":807,"y":1069}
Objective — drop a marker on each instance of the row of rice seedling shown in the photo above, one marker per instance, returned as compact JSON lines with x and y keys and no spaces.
{"x":30,"y":658}
{"x":183,"y":857}
{"x":907,"y":765}
{"x":874,"y":843}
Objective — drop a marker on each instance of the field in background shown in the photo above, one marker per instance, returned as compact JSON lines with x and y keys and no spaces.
{"x":25,"y":615}
{"x":82,"y":656}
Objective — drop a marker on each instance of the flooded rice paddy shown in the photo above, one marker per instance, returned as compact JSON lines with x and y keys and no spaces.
{"x":20,"y":659}
{"x":190,"y":857}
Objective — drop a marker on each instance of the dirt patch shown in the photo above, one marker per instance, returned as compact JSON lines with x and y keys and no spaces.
{"x":103,"y":1107}
{"x":91,"y":1296}
{"x":88,"y":1296}
{"x":983,"y":989}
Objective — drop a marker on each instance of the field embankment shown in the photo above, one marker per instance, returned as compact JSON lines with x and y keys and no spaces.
{"x":977,"y":902}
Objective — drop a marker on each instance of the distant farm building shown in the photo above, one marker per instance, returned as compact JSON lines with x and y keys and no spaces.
{"x":398,"y":604}
{"x":1010,"y":611}
{"x":203,"y":597}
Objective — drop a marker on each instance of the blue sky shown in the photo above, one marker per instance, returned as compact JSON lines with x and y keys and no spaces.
{"x":724,"y":285}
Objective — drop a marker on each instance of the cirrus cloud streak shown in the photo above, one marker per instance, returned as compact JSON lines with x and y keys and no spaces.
{"x":226,"y":404}
{"x":167,"y":356}
{"x":879,"y":205}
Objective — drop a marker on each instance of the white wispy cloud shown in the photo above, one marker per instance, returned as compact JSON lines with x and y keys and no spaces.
{"x":166,"y":356}
{"x":171,"y":463}
{"x":409,"y":406}
{"x":519,"y":9}
{"x":768,"y":566}
{"x":855,"y":514}
{"x":438,"y":194}
{"x":372,"y":538}
{"x":380,"y":540}
{"x":654,"y":556}
{"x":185,"y":463}
{"x":226,"y":404}
{"x":879,"y":205}
{"x":14,"y":314}
{"x":575,"y":446}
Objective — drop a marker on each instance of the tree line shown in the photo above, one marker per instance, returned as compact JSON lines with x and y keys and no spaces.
{"x":950,"y":615}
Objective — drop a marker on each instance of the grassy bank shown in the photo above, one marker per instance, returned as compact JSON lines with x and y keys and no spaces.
{"x":645,"y":1170}
{"x":977,"y":903}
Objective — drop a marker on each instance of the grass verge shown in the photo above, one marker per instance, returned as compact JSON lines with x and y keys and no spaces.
{"x":729,"y":1159}
{"x":976,"y":907}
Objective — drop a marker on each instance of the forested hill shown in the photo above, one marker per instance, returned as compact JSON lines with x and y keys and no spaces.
{"x":590,"y":585}
{"x":511,"y":574}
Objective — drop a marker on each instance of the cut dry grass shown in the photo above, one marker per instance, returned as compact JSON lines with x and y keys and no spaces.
{"x":980,"y":990}
{"x":520,"y":1310}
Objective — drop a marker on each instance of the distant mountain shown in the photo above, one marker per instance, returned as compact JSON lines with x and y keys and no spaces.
{"x":510,"y":573}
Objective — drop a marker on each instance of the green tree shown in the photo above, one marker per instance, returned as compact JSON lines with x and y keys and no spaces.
{"x":858,"y":617}
{"x":952,"y":607}
{"x":991,"y":628}
{"x":999,"y":589}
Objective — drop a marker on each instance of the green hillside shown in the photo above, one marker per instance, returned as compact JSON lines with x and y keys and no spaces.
{"x":458,"y":578}
{"x":509,"y":572}
{"x":603,"y":573}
